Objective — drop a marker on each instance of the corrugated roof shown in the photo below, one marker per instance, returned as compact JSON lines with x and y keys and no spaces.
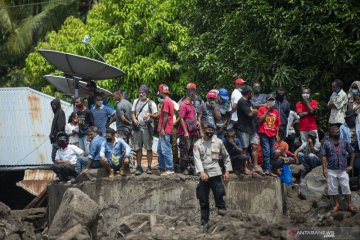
{"x":35,"y":181}
{"x":25,"y":123}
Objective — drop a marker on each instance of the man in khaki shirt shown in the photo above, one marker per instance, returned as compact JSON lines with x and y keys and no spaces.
{"x":208,"y":151}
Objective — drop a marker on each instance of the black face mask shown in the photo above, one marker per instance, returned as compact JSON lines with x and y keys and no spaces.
{"x":280,"y":97}
{"x":337,"y":136}
{"x":209,"y":134}
{"x":108,"y":139}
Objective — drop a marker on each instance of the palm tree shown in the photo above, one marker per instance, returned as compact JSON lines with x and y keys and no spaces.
{"x":24,"y":22}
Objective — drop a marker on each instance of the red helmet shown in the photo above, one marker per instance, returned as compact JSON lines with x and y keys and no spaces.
{"x":191,"y":86}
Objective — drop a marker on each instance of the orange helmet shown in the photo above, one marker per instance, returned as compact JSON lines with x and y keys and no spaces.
{"x":191,"y":86}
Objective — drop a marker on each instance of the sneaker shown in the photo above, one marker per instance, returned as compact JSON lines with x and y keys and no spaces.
{"x":121,"y":172}
{"x":111,"y":173}
{"x":186,"y":172}
{"x":222,"y":212}
{"x":148,"y":170}
{"x":167,"y":173}
{"x":139,"y":170}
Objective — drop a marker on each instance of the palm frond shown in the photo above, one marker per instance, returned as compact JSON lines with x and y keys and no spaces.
{"x":49,"y":18}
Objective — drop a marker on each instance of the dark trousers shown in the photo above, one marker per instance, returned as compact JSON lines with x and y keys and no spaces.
{"x":202,"y":191}
{"x":186,"y":151}
{"x":64,"y":171}
{"x":55,"y":147}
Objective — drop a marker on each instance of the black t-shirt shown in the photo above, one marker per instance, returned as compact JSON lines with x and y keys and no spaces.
{"x":86,"y":120}
{"x":245,"y":123}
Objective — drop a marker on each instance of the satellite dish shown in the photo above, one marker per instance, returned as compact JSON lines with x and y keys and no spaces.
{"x":67,"y":86}
{"x":82,"y":67}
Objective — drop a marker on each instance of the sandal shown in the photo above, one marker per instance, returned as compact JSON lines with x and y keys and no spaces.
{"x":352,"y":209}
{"x":258,"y":170}
{"x":335,"y":208}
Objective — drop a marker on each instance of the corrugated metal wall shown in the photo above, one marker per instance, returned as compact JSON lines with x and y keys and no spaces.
{"x":25,"y":123}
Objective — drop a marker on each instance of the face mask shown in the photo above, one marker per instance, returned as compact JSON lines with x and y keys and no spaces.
{"x":142,"y":97}
{"x":271,"y":103}
{"x":305,"y":95}
{"x":79,"y":105}
{"x":337,"y":90}
{"x":63,"y":144}
{"x":280,"y":97}
{"x":76,"y":121}
{"x":239,"y":88}
{"x":354,"y":91}
{"x":160,"y":100}
{"x":257,"y":90}
{"x":108,"y":139}
{"x":209,"y":134}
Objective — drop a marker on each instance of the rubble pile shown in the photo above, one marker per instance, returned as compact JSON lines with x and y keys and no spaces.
{"x":22,"y":224}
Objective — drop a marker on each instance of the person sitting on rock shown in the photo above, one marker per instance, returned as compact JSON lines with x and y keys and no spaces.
{"x":282,"y":154}
{"x":65,"y":158}
{"x":208,"y":151}
{"x":235,"y":150}
{"x":307,"y":153}
{"x":334,"y":152}
{"x":114,"y":153}
{"x":93,"y":160}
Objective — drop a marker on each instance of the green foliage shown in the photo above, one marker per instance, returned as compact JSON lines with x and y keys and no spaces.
{"x":143,"y":38}
{"x":285,"y":43}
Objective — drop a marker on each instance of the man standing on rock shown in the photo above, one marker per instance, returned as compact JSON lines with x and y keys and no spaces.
{"x":208,"y":151}
{"x":165,"y":129}
{"x":143,"y":111}
{"x":334,"y":154}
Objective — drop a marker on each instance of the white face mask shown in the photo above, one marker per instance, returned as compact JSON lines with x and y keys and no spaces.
{"x":271,"y":103}
{"x":305,"y":95}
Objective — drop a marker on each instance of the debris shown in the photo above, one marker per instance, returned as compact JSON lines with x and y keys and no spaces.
{"x":76,"y":208}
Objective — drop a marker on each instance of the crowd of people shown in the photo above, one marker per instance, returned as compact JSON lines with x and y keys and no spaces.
{"x":245,"y":132}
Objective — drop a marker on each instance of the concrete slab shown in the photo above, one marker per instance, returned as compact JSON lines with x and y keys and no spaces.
{"x":174,"y":195}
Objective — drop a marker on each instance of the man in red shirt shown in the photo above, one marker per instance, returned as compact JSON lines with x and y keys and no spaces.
{"x":307,"y":109}
{"x":188,"y":130}
{"x":165,"y":128}
{"x":269,"y":122}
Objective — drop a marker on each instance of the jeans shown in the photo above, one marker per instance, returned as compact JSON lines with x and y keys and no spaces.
{"x":267,"y":148}
{"x":202,"y":192}
{"x":165,"y":156}
{"x":82,"y":162}
{"x":83,"y":143}
{"x":309,"y":161}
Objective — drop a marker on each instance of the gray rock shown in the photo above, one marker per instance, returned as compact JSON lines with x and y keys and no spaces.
{"x":93,"y":174}
{"x":313,"y":185}
{"x":76,"y":208}
{"x":77,"y":232}
{"x":4,"y":210}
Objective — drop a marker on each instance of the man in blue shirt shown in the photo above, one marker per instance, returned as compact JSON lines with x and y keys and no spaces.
{"x":93,"y":160}
{"x":114,"y":153}
{"x":334,"y":153}
{"x":102,"y":115}
{"x":235,"y":149}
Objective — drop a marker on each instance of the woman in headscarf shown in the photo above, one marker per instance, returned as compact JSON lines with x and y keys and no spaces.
{"x":354,"y":89}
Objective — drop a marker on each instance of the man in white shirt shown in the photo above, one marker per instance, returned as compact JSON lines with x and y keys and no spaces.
{"x":235,"y":97}
{"x":65,"y":158}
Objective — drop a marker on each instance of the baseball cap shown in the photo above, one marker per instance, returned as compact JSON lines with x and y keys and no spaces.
{"x":240,"y":81}
{"x":163,"y":88}
{"x":223,"y":93}
{"x":191,"y":86}
{"x":211,"y":94}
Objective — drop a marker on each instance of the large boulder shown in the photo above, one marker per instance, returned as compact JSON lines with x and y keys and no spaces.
{"x":76,"y":208}
{"x":313,"y":185}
